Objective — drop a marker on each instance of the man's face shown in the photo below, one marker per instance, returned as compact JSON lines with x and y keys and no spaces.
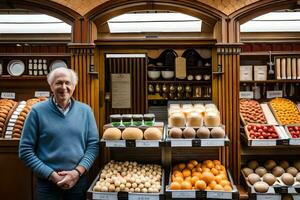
{"x":62,"y":87}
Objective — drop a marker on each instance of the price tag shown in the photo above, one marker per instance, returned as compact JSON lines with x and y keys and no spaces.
{"x":9,"y":128}
{"x":263,"y":143}
{"x":212,"y":142}
{"x":218,"y":195}
{"x":268,"y":197}
{"x":105,"y":196}
{"x":274,"y":94}
{"x":181,"y":143}
{"x":183,"y":194}
{"x":142,"y":197}
{"x":146,"y":143}
{"x":291,"y":190}
{"x":246,"y":95}
{"x":8,"y":95}
{"x":294,"y":142}
{"x":115,"y":143}
{"x":41,"y":94}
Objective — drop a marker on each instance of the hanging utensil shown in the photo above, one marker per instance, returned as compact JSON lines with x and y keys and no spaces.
{"x":271,"y":72}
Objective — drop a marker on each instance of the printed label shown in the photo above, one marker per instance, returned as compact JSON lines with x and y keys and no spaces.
{"x":246,"y":95}
{"x":8,"y":95}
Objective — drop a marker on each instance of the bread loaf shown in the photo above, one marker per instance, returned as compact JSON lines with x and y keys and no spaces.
{"x":194,"y":120}
{"x":152,"y":133}
{"x":212,"y":119}
{"x":131,"y":133}
{"x":177,"y":120}
{"x":112,"y":134}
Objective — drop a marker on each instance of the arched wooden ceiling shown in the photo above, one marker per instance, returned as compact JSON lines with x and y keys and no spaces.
{"x":51,"y":8}
{"x":225,"y":6}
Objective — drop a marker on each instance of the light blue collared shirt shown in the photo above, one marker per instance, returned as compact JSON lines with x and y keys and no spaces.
{"x":63,"y":111}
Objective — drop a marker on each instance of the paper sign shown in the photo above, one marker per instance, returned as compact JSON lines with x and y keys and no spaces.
{"x":41,"y":94}
{"x":181,"y":143}
{"x":121,"y":90}
{"x":246,"y":95}
{"x":183,"y":194}
{"x":105,"y":196}
{"x":212,"y":142}
{"x":146,"y":143}
{"x":8,"y":95}
{"x":115,"y":143}
{"x":219,"y":195}
{"x":274,"y":94}
{"x":142,"y":197}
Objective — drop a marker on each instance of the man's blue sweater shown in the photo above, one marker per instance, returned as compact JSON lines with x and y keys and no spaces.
{"x":52,"y":141}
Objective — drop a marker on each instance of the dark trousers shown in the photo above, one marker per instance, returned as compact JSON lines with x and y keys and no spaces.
{"x":46,"y":190}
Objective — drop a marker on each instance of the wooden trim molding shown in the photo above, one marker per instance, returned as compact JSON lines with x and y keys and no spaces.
{"x":228,"y":59}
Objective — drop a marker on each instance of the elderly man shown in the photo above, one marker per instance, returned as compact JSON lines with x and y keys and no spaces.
{"x":60,"y":140}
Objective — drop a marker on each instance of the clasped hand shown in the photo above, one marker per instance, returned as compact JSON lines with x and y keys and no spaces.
{"x":65,"y":179}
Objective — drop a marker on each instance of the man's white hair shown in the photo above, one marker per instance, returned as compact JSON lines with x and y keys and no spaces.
{"x":72,"y":74}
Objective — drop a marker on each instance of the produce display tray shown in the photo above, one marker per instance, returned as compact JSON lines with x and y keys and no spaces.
{"x":292,"y":141}
{"x":10,"y":113}
{"x":92,"y":195}
{"x":136,"y":143}
{"x":196,"y":142}
{"x":268,"y":114}
{"x":274,"y":113}
{"x":133,"y":143}
{"x":274,"y":191}
{"x":203,"y":194}
{"x":244,"y":121}
{"x":282,"y":140}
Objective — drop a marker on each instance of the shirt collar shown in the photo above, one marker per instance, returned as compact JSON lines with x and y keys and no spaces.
{"x":63,"y":111}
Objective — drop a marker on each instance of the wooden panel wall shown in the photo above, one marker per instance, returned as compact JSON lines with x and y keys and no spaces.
{"x":137,"y":68}
{"x":87,"y":89}
{"x":228,"y":94}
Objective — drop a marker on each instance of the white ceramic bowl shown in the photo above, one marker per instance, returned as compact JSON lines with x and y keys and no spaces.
{"x":153,"y":75}
{"x":167,"y":74}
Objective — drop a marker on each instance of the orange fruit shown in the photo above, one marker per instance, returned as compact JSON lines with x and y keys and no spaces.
{"x":212,"y":184}
{"x":175,"y":186}
{"x":217,"y":162}
{"x":186,"y":185}
{"x":214,"y":171}
{"x":186,"y":172}
{"x":190,"y":166}
{"x":200,"y":185}
{"x":198,"y":165}
{"x":188,"y":179}
{"x":210,"y":164}
{"x":227,"y":188}
{"x":198,"y":169}
{"x":208,"y":188}
{"x":194,"y":179}
{"x":177,"y":179}
{"x":194,"y":162}
{"x":194,"y":170}
{"x":181,"y":166}
{"x":177,"y":173}
{"x":218,"y":187}
{"x":224,"y":183}
{"x":208,"y":177}
{"x":219,"y":178}
{"x":205,"y":169}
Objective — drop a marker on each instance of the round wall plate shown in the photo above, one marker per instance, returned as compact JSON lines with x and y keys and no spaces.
{"x":16,"y":67}
{"x":57,"y":64}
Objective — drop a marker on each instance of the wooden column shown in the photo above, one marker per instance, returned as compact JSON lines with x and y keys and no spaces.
{"x":82,"y":62}
{"x":227,"y":99}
